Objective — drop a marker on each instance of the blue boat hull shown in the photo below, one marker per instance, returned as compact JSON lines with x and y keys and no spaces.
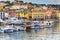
{"x":8,"y":31}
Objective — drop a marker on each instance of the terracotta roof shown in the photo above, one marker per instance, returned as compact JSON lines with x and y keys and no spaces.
{"x":27,"y":4}
{"x":39,"y":11}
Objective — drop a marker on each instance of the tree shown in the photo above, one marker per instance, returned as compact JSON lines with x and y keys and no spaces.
{"x":30,"y":3}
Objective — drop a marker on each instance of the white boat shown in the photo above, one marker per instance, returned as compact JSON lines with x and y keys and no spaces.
{"x":1,"y":30}
{"x":15,"y":21}
{"x":8,"y":29}
{"x":49,"y":23}
{"x":21,"y":29}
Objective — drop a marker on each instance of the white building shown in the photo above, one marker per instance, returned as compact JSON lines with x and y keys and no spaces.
{"x":4,"y":15}
{"x":19,"y":7}
{"x":2,"y":3}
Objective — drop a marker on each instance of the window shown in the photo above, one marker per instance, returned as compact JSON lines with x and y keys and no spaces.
{"x":38,"y":16}
{"x":41,"y":16}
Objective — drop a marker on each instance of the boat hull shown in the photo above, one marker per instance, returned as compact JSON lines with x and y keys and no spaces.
{"x":39,"y":24}
{"x":8,"y":31}
{"x":21,"y":29}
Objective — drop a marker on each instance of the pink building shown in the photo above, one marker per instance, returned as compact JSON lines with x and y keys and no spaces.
{"x":12,"y":14}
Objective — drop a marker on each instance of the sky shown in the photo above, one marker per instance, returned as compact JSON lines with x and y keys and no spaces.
{"x":41,"y":1}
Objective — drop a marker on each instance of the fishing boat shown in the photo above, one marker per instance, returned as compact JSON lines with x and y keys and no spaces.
{"x":35,"y":24}
{"x":41,"y":24}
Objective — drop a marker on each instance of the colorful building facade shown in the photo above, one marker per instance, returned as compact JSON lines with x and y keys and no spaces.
{"x":38,"y":14}
{"x":58,"y":14}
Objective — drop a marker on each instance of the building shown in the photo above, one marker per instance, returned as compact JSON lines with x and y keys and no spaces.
{"x":20,"y":1}
{"x":58,"y":14}
{"x":2,"y":3}
{"x":38,"y":14}
{"x":49,"y":13}
{"x":2,"y":11}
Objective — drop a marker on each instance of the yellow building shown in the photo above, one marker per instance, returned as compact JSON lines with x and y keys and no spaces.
{"x":58,"y":15}
{"x":21,"y":14}
{"x":35,"y":14}
{"x":38,"y":14}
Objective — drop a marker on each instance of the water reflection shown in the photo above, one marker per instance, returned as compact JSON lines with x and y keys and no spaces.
{"x":35,"y":34}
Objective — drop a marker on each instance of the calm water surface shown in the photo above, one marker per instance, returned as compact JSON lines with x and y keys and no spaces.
{"x":35,"y":34}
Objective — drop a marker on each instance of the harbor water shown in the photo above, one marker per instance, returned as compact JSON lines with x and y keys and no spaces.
{"x":35,"y":34}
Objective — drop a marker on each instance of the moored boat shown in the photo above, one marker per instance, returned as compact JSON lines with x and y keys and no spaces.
{"x":21,"y":28}
{"x":41,"y":24}
{"x":9,"y":29}
{"x":1,"y":30}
